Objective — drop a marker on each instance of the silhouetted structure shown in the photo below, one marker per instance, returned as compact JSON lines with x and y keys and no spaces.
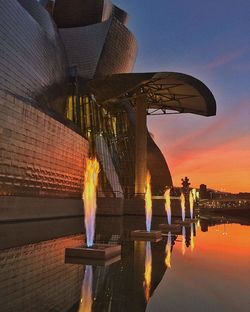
{"x":185,"y":186}
{"x":203,"y":191}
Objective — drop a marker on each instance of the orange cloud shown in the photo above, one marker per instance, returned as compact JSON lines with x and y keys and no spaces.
{"x":224,"y":167}
{"x":215,"y":151}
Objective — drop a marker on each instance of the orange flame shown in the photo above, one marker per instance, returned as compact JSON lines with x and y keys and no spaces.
{"x":148,"y":202}
{"x":194,"y":194}
{"x":168,"y":251}
{"x":86,"y":293}
{"x":89,"y":198}
{"x":182,"y":199}
{"x":197,"y":195}
{"x":168,"y":205}
{"x":191,"y":204}
{"x":148,"y":271}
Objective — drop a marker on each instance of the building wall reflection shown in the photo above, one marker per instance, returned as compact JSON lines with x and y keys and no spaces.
{"x":35,"y":278}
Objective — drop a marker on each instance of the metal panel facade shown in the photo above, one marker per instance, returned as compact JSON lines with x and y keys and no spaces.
{"x":32,"y":59}
{"x":39,"y":156}
{"x":119,"y":51}
{"x":84,"y":46}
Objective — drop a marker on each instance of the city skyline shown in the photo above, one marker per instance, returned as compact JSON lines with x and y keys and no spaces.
{"x":208,"y":41}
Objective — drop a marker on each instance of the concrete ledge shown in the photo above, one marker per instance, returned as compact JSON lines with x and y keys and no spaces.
{"x":20,"y":233}
{"x":15,"y":208}
{"x":97,"y":251}
{"x":110,"y":206}
{"x":136,"y":206}
{"x":173,"y":228}
{"x":144,"y":235}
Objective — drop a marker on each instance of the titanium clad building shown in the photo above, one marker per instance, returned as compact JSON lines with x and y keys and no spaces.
{"x":67,"y":92}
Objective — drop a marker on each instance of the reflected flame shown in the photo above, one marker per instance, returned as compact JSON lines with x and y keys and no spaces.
{"x":192,"y":237}
{"x":168,"y":251}
{"x":148,"y":271}
{"x":183,"y":244}
{"x":168,"y":205}
{"x":182,"y":199}
{"x":148,"y":202}
{"x":86,"y":293}
{"x":198,"y":224}
{"x":191,"y":204}
{"x":89,"y":198}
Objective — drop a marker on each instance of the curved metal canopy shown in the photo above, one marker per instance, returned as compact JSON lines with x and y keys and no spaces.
{"x":163,"y":91}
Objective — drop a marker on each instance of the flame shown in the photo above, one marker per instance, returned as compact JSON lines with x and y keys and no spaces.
{"x":86,"y":293}
{"x":192,"y":237}
{"x":168,"y":251}
{"x":148,"y":202}
{"x":89,"y":198}
{"x":183,"y":240}
{"x":168,"y":204}
{"x":194,"y":194}
{"x":182,"y":199}
{"x":197,"y":195}
{"x":148,"y":271}
{"x":191,"y":204}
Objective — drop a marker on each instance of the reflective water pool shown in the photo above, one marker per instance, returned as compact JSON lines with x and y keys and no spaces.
{"x":204,"y":268}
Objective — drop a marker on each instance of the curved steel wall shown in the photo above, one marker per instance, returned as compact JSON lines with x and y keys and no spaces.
{"x":41,"y":16}
{"x":76,"y":13}
{"x":121,"y":15}
{"x":158,"y":167}
{"x":102,"y":49}
{"x":119,"y":51}
{"x":84,"y":46}
{"x":32,"y":58}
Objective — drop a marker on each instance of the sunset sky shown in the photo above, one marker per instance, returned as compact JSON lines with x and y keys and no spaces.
{"x":209,"y":40}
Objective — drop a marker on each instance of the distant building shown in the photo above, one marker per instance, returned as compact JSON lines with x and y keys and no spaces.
{"x":203,"y":192}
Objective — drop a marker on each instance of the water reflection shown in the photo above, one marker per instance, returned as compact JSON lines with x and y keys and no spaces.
{"x":214,"y":278}
{"x":192,"y":237}
{"x":183,"y":243}
{"x":168,"y":251}
{"x":35,"y":278}
{"x":148,"y":271}
{"x":86,"y":292}
{"x":37,"y":272}
{"x":198,"y":224}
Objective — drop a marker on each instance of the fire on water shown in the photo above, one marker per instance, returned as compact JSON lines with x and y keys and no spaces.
{"x":183,"y":208}
{"x":191,"y":204}
{"x":89,"y":198}
{"x":148,"y":202}
{"x":168,"y":205}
